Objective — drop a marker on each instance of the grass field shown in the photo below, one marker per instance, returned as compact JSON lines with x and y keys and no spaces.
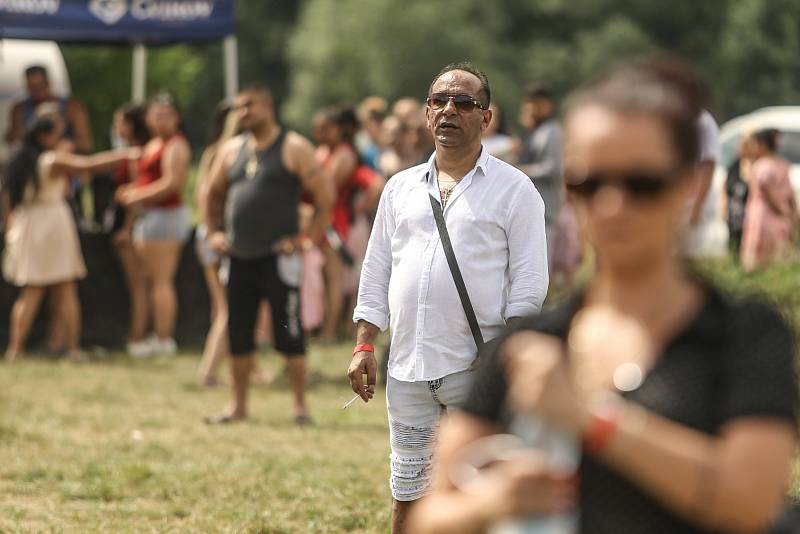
{"x":118,"y":446}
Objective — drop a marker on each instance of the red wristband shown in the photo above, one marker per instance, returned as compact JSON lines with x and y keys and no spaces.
{"x":364,"y":347}
{"x":599,"y":432}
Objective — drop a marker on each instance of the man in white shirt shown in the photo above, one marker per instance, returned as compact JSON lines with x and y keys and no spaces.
{"x":495,"y":219}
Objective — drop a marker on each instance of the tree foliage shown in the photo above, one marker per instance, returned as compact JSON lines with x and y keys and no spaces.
{"x":101,"y":76}
{"x":316,"y":52}
{"x":746,"y":50}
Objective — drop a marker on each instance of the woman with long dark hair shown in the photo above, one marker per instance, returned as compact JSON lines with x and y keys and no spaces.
{"x":358,"y":190}
{"x":676,"y":402}
{"x":162,"y":222}
{"x":129,"y":125}
{"x":42,"y":247}
{"x":223,"y":127}
{"x":736,"y":188}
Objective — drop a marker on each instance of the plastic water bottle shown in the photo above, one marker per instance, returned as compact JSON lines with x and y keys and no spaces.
{"x":564,"y":453}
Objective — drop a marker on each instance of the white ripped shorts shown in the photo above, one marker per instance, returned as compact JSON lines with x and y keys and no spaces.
{"x":415,"y":409}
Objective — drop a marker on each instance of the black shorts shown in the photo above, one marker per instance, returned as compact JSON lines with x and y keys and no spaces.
{"x":277,"y":279}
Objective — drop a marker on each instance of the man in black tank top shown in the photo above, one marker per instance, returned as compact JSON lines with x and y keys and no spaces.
{"x":251,"y":212}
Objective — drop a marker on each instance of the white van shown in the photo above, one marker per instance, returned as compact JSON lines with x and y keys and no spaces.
{"x":15,"y":56}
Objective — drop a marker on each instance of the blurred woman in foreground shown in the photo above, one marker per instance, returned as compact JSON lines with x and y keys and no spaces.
{"x":684,"y":399}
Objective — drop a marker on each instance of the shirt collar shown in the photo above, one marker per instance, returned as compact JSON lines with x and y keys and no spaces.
{"x":430,"y":169}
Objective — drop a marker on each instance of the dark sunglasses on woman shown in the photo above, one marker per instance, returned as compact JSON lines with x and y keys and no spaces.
{"x":640,"y":185}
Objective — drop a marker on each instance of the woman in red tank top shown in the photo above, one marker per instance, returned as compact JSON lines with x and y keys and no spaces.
{"x":357,"y":192}
{"x":162,"y":222}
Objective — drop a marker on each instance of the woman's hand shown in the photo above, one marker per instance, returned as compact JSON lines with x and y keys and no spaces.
{"x":126,"y":198}
{"x":122,"y":193}
{"x":521,"y":486}
{"x":134,"y":153}
{"x":291,"y":245}
{"x":540,"y":382}
{"x":609,"y":352}
{"x":218,"y":242}
{"x":122,"y":237}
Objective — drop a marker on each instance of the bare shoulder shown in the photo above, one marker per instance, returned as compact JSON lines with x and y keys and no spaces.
{"x":297,"y":152}
{"x":178,"y":148}
{"x":227,"y":151}
{"x":46,"y":161}
{"x":297,"y":143}
{"x":47,"y":158}
{"x":179,"y":143}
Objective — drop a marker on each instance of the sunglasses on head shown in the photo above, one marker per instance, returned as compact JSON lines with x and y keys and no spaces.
{"x":640,"y":185}
{"x":463,"y":103}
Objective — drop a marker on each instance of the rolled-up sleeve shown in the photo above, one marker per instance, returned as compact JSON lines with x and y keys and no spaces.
{"x":527,"y":254}
{"x":373,"y":288}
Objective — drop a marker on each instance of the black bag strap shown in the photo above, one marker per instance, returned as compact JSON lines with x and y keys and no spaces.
{"x":438,"y":215}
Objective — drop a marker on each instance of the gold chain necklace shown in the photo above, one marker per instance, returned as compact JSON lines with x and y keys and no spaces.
{"x":252,"y":161}
{"x":446,"y":188}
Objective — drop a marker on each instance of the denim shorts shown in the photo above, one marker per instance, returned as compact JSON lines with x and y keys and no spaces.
{"x":415,"y":409}
{"x":206,"y":256}
{"x":162,"y":224}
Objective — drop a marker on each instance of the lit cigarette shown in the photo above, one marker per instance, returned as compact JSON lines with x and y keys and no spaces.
{"x":351,"y":401}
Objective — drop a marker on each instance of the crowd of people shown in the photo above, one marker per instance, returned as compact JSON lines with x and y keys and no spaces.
{"x":358,"y":148}
{"x":148,"y":221}
{"x":674,"y":403}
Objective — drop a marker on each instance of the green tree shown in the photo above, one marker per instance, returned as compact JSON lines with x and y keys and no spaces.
{"x":101,"y":75}
{"x":312,"y":53}
{"x":746,"y":50}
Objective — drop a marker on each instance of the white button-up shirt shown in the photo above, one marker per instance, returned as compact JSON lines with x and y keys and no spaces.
{"x":495,"y":218}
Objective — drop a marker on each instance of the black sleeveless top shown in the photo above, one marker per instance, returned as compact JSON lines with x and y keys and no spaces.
{"x":263,"y":198}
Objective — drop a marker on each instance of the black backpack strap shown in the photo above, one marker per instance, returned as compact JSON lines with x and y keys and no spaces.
{"x":438,"y":215}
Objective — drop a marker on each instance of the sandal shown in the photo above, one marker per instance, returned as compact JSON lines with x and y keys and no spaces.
{"x":223,"y":419}
{"x":303,"y":420}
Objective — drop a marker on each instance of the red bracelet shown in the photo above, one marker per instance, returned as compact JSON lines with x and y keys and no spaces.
{"x":364,"y":347}
{"x":600,"y":431}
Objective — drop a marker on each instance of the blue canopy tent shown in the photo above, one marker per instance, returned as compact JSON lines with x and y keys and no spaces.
{"x":137,"y":22}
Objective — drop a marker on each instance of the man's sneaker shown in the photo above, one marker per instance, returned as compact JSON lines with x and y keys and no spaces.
{"x":140,"y":349}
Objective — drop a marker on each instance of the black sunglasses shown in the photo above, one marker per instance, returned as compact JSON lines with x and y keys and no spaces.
{"x":463,"y":103}
{"x":640,"y":185}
